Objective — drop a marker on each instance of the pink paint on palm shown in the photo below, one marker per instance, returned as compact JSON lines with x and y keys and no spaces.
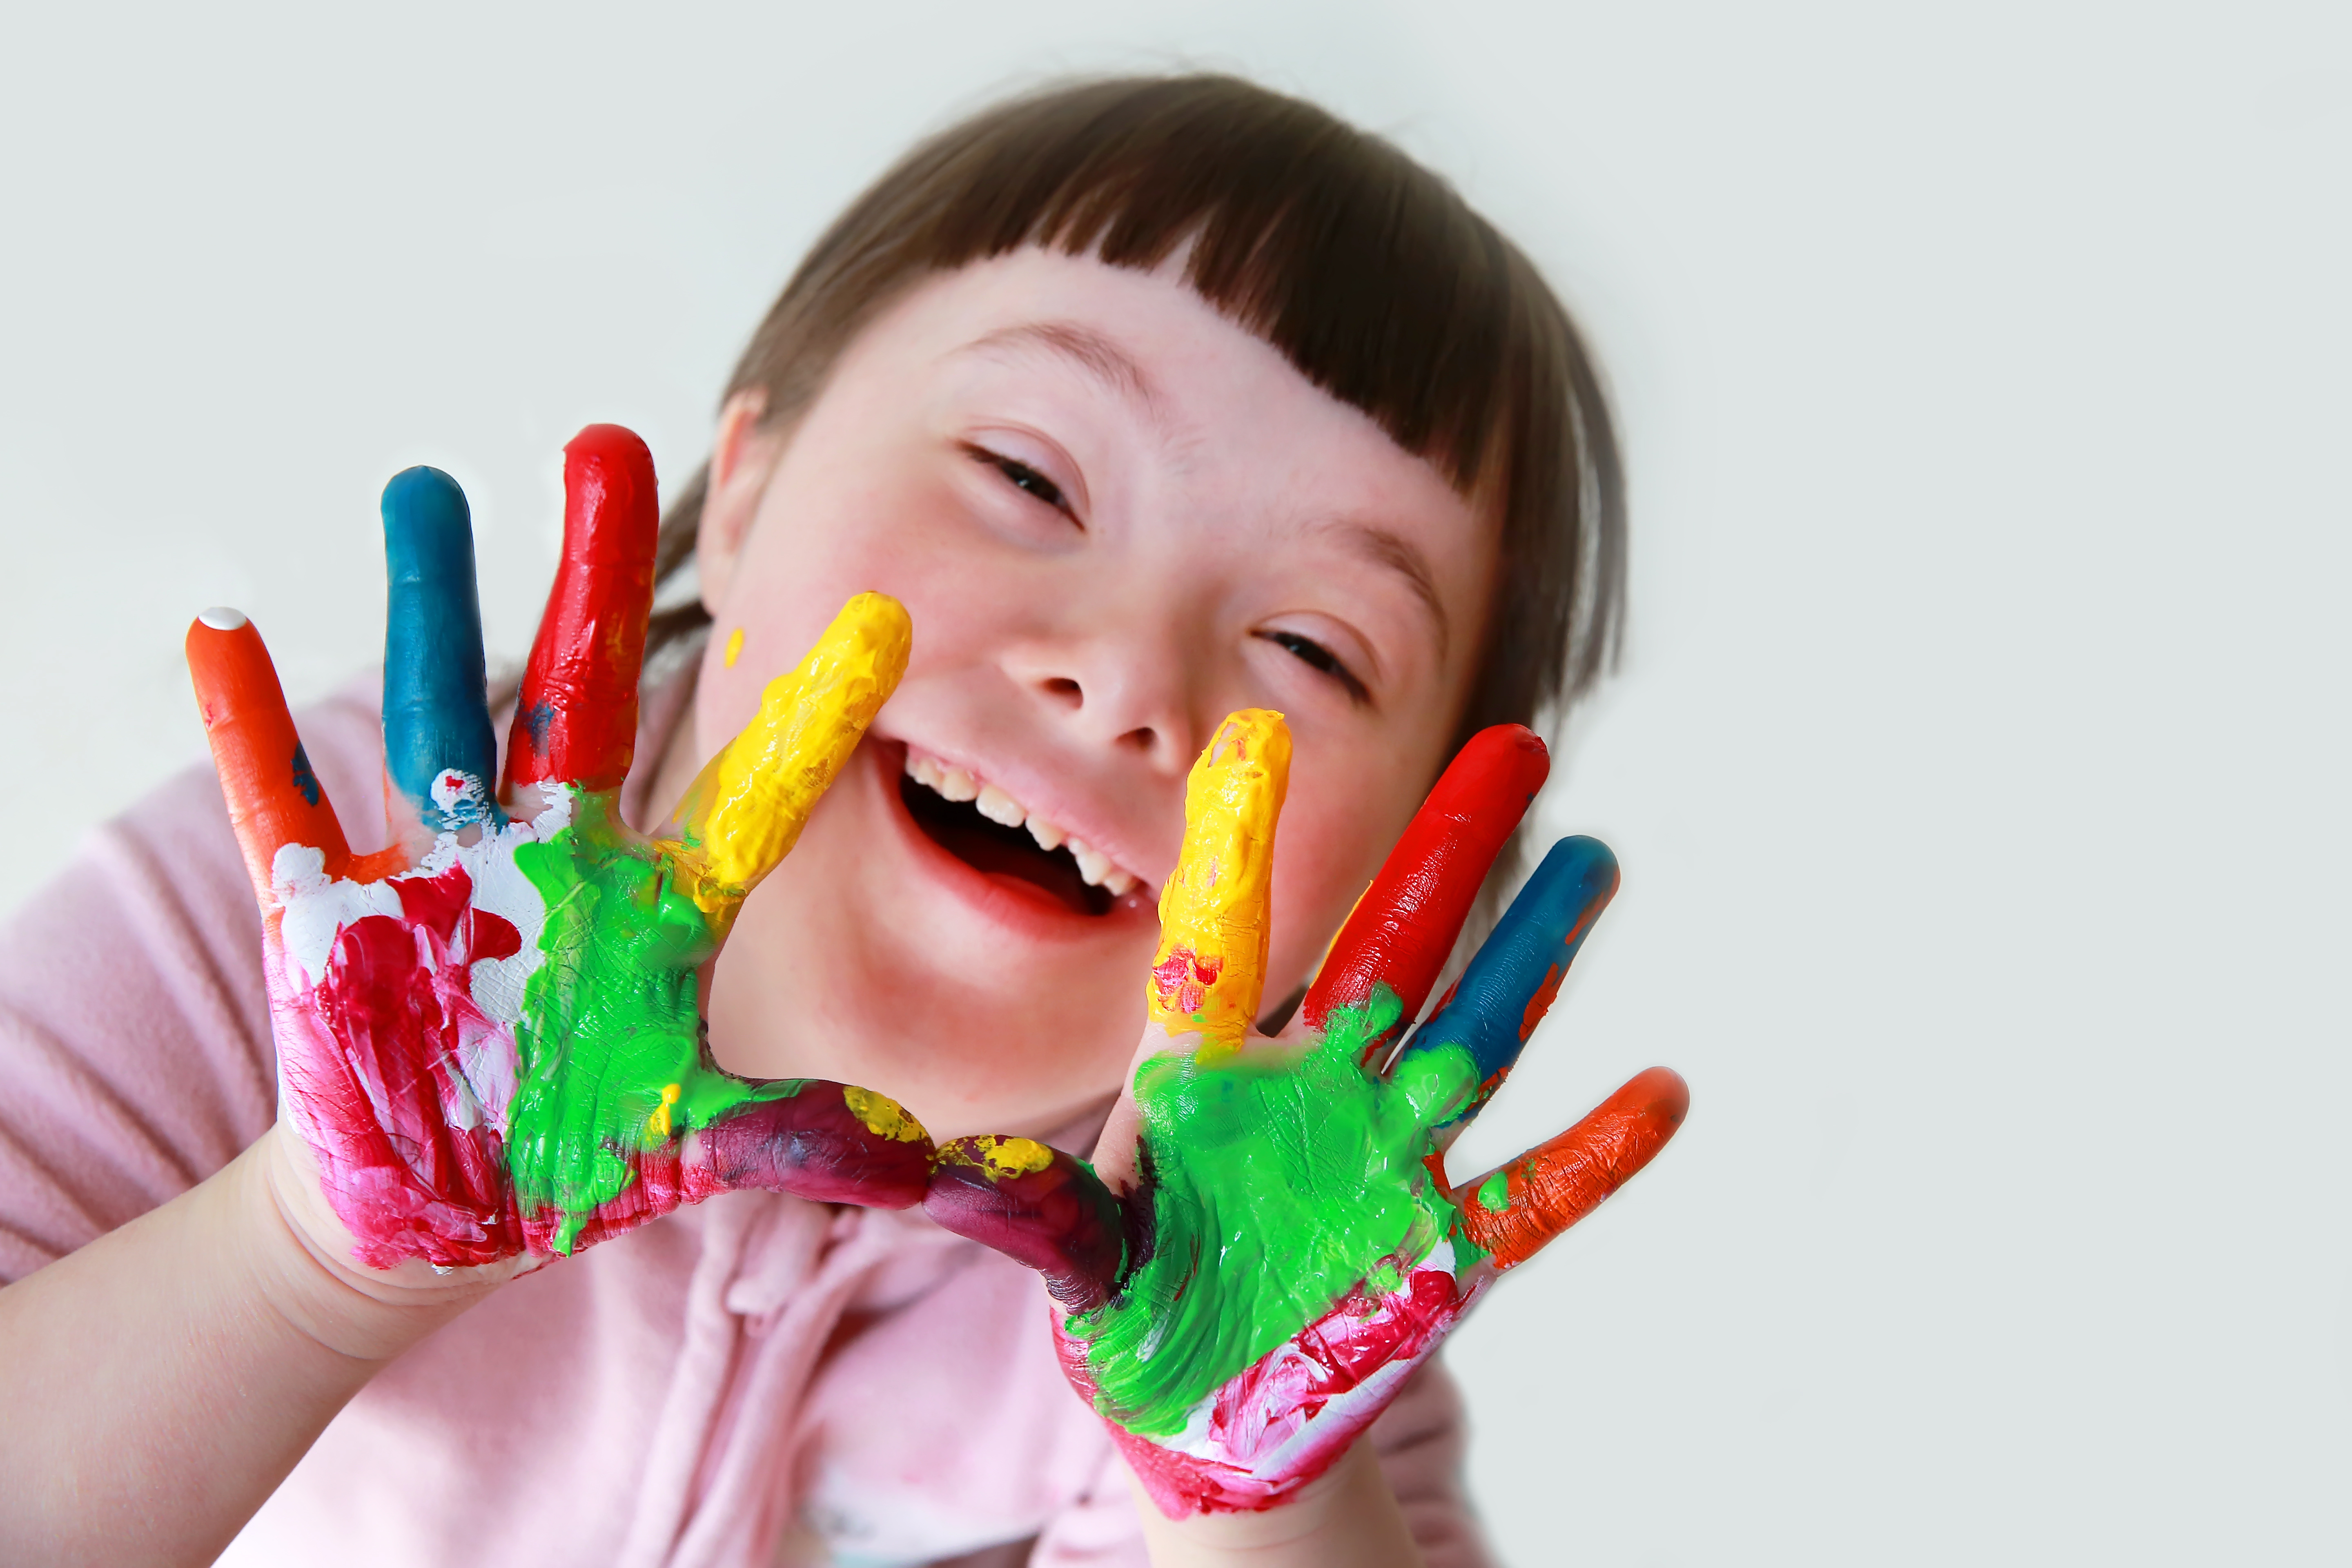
{"x":1286,"y":1418}
{"x":395,"y":1003}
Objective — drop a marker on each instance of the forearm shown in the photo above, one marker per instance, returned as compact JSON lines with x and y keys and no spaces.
{"x":164,"y":1378}
{"x":1348,"y":1519}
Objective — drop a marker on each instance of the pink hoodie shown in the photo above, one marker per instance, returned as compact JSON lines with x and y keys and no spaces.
{"x":757,"y":1380}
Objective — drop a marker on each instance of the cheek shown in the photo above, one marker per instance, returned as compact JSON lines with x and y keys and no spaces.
{"x":805,"y":556}
{"x":1329,"y":844}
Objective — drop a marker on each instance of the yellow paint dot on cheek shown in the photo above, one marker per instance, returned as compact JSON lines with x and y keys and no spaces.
{"x":734,"y":647}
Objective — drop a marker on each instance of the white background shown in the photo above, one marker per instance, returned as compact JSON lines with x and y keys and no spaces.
{"x":1978,"y":764}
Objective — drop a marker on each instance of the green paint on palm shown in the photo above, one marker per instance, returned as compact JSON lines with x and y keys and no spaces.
{"x":1282,"y":1180}
{"x":609,"y":1047}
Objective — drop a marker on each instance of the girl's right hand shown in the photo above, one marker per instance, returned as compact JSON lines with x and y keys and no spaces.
{"x":489,"y":1039}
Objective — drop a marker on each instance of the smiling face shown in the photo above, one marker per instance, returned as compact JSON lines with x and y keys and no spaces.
{"x":1115,"y":516}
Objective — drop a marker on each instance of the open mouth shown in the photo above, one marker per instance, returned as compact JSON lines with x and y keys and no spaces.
{"x":988,"y":830}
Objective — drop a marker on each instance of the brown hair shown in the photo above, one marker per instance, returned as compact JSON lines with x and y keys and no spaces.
{"x":1368,"y":271}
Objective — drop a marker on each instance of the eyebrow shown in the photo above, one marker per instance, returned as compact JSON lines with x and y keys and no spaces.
{"x":1088,"y":349}
{"x":1385,"y":547}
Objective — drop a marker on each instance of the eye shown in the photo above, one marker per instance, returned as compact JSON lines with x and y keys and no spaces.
{"x":1315,"y":657}
{"x":1021,"y":476}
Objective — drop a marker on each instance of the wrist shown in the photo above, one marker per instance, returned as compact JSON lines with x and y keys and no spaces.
{"x":1346,"y":1516}
{"x":299,"y":1258}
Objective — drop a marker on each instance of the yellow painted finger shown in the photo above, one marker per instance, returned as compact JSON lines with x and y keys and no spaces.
{"x":1211,"y":969}
{"x":746,"y":811}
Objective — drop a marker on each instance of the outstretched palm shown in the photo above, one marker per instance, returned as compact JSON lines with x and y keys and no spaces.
{"x":1279,"y":1246}
{"x":489,"y":1034}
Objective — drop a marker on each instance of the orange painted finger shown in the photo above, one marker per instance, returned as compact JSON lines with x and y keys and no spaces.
{"x":1512,"y":1212}
{"x":274,"y":798}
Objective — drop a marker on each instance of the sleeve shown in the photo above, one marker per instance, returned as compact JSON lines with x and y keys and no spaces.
{"x":134,"y":1032}
{"x":1421,"y":1439}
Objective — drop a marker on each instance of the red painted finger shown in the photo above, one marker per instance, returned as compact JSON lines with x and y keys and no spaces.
{"x":577,"y":721}
{"x":274,"y":798}
{"x":1038,"y":1206}
{"x":1512,"y":1212}
{"x":1402,"y":928}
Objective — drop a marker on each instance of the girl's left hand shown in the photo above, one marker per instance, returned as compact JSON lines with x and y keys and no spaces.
{"x":1277,"y":1246}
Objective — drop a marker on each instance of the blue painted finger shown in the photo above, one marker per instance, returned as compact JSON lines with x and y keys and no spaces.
{"x":438,"y":750}
{"x":1509,"y":985}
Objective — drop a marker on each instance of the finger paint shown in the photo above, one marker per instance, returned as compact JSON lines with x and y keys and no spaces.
{"x":1403,"y":927}
{"x":1548,"y":1189}
{"x":393,"y":1002}
{"x":1280,"y":1424}
{"x":1292,"y":1248}
{"x":436,"y":716}
{"x":257,"y":755}
{"x":576,"y":717}
{"x":1512,"y":980}
{"x":746,"y":810}
{"x":1210,"y":971}
{"x":1037,"y":1205}
{"x":612,"y":1067}
{"x":1280,"y":1180}
{"x":500,"y":1047}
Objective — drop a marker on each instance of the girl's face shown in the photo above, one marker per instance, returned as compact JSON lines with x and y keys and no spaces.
{"x":1115,"y":516}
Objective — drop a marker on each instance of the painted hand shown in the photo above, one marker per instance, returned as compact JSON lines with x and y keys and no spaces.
{"x":490,"y":1036}
{"x":1279,"y":1246}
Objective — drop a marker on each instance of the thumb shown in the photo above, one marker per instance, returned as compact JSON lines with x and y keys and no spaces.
{"x":1036,"y":1206}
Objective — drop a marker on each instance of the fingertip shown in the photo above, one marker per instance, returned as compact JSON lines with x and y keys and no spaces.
{"x":610,"y":491}
{"x":884,"y":612}
{"x":214,"y":648}
{"x":1661,"y":1091}
{"x":882,"y":623}
{"x":421,"y":501}
{"x":1584,"y":867}
{"x":1511,"y":752}
{"x":616,"y":444}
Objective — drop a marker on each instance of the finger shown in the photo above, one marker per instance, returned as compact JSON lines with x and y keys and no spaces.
{"x":577,"y":721}
{"x":1510,"y":1213}
{"x":438,"y":750}
{"x":825,"y":1141}
{"x":1038,"y":1206}
{"x":1210,"y":968}
{"x":1510,"y":982}
{"x":1400,"y":932}
{"x":744,"y":813}
{"x":274,"y":798}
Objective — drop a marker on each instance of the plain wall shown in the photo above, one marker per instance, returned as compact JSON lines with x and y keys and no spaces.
{"x":1978,"y":762}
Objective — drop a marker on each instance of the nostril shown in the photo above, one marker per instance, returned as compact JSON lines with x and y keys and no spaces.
{"x":1141,"y":740}
{"x":1065,"y":688}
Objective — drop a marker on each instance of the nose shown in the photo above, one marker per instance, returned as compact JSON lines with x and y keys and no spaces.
{"x":1126,"y":689}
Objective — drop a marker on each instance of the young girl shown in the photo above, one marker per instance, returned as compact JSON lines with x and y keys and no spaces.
{"x":1152,"y":403}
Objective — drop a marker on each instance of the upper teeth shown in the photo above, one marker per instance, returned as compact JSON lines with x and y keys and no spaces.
{"x":953,"y":783}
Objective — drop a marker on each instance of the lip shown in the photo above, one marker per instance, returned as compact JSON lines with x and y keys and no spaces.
{"x":1006,"y":902}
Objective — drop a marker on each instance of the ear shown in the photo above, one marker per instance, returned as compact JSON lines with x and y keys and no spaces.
{"x":742,"y":456}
